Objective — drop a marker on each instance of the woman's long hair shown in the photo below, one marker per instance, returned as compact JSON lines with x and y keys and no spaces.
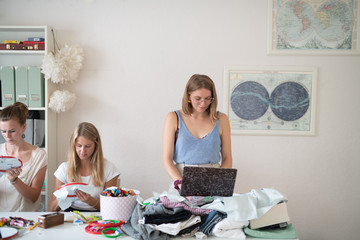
{"x":88,"y":131}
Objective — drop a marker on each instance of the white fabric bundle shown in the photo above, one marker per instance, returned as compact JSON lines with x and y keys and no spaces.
{"x":230,"y":229}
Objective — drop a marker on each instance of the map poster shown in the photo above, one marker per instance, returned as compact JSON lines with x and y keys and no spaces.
{"x":271,"y":100}
{"x":314,"y":27}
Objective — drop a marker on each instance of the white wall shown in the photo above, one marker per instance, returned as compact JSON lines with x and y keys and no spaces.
{"x":140,"y":54}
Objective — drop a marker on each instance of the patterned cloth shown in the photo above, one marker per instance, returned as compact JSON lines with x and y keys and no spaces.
{"x":196,"y":211}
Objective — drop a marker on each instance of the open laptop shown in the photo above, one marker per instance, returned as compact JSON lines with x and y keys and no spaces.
{"x":205,"y":181}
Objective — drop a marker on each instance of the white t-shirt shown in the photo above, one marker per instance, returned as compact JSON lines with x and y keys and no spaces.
{"x":110,"y":171}
{"x":10,"y":199}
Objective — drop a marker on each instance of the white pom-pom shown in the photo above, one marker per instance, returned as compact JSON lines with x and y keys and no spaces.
{"x":64,"y":67}
{"x":61,"y":100}
{"x":50,"y":67}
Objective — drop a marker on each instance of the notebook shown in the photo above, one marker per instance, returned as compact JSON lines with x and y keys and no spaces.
{"x":204,"y":181}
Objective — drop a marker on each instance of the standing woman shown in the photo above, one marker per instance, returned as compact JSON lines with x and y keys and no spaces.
{"x":196,"y":135}
{"x":20,"y":188}
{"x":86,"y":164}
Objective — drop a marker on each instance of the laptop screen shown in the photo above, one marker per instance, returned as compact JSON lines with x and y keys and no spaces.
{"x":204,"y":181}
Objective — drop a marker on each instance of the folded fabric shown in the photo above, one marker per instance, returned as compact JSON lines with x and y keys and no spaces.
{"x":230,"y":229}
{"x":159,"y":209}
{"x":175,"y":228}
{"x":171,"y":204}
{"x":243,"y":207}
{"x":281,"y":233}
{"x":167,"y":218}
{"x":197,"y":201}
{"x":135,"y":230}
{"x":211,"y":220}
{"x":191,"y":230}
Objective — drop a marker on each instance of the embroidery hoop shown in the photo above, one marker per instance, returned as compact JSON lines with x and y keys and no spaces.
{"x":96,"y":227}
{"x":88,"y":229}
{"x":69,"y":184}
{"x":21,"y":163}
{"x":113,"y":223}
{"x":8,"y":232}
{"x":105,"y":234}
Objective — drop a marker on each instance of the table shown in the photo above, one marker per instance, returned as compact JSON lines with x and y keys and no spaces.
{"x":66,"y":231}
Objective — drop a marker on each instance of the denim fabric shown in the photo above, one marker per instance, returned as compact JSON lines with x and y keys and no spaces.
{"x":141,"y":231}
{"x":211,"y":220}
{"x":165,"y":218}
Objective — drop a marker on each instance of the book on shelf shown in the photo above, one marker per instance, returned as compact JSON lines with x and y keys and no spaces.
{"x":12,"y":41}
{"x":36,"y":39}
{"x":22,"y":46}
{"x":33,"y":42}
{"x":277,"y":215}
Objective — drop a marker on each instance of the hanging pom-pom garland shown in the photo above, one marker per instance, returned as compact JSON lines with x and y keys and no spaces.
{"x":64,"y":66}
{"x":61,"y":100}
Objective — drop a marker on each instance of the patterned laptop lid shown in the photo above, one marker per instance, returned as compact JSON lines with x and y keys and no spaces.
{"x":205,"y":181}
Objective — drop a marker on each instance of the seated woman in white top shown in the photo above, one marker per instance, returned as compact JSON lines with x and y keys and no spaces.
{"x":20,"y":188}
{"x":86,"y":164}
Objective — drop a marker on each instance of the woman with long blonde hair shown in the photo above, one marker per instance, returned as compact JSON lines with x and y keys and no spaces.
{"x":86,"y":164}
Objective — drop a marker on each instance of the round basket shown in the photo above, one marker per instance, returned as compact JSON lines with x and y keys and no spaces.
{"x":117,"y":208}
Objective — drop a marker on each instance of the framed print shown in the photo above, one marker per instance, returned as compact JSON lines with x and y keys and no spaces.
{"x":314,"y":27}
{"x":270,"y":100}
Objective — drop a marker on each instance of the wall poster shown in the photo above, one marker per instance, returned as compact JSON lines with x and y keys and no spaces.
{"x":274,"y":100}
{"x":314,"y":27}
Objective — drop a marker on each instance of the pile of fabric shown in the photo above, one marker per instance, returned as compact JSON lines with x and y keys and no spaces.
{"x":170,"y":214}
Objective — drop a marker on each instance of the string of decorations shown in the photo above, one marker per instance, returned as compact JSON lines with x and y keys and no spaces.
{"x":61,"y":67}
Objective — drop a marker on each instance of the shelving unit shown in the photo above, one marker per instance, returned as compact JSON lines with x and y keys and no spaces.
{"x":34,"y":58}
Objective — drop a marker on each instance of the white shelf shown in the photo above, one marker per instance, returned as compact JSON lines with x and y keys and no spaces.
{"x":23,"y":52}
{"x":34,"y":58}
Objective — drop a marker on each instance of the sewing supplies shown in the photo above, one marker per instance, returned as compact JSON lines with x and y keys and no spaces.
{"x":50,"y":220}
{"x":118,"y":203}
{"x":71,"y":188}
{"x":81,"y":217}
{"x":107,"y":223}
{"x":78,"y":222}
{"x":19,"y":222}
{"x":106,"y":234}
{"x":117,"y":192}
{"x":3,"y":221}
{"x":8,"y":232}
{"x":66,"y":193}
{"x":7,"y":163}
{"x":97,"y":227}
{"x":79,"y":214}
{"x":34,"y":226}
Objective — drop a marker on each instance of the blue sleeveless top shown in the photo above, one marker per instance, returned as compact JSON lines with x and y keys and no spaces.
{"x":194,"y":151}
